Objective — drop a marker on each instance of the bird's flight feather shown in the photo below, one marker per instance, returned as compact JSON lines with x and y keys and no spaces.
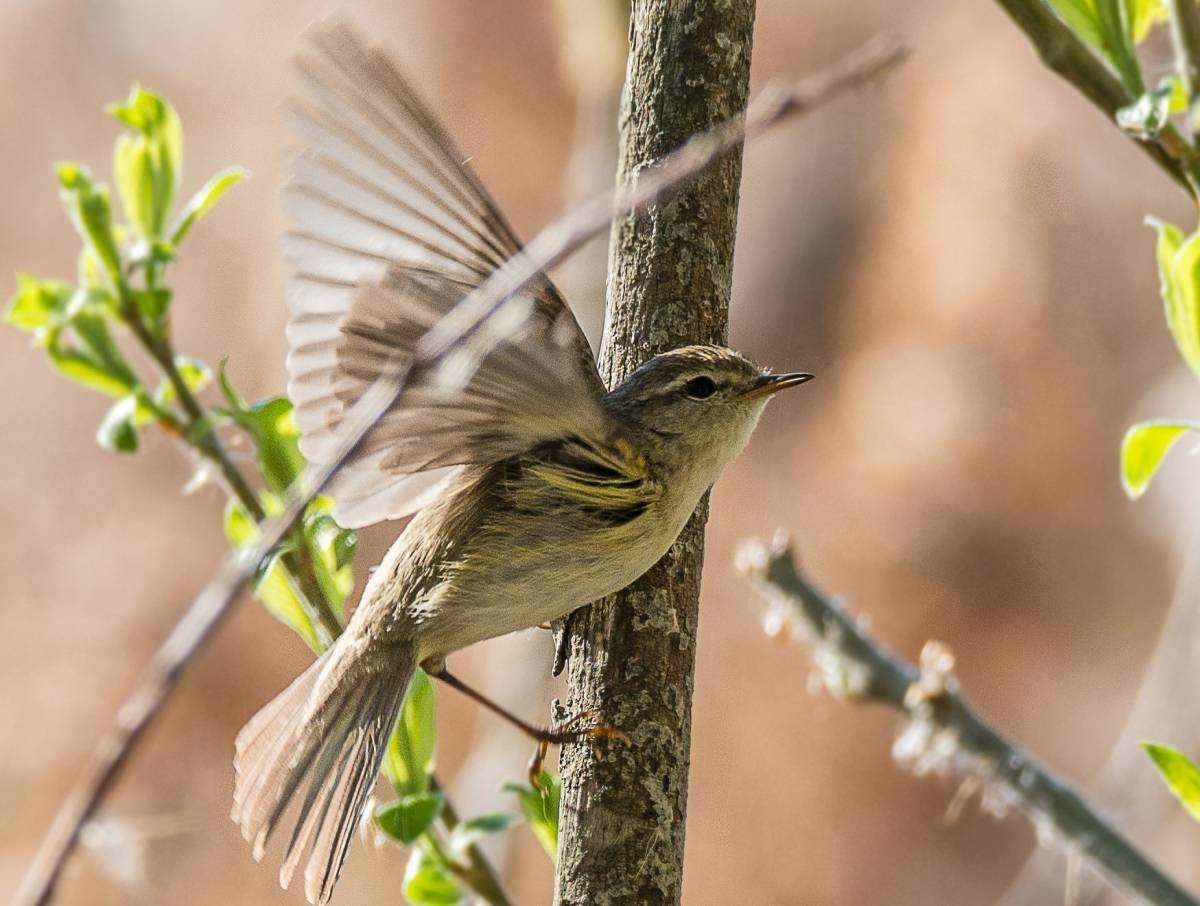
{"x":391,"y":230}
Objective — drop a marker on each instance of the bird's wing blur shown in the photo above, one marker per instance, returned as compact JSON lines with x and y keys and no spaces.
{"x":391,"y":230}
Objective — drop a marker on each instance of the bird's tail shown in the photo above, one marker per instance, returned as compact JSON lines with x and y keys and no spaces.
{"x":324,"y":736}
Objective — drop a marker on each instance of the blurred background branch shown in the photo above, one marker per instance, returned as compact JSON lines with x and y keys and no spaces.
{"x":943,"y":734}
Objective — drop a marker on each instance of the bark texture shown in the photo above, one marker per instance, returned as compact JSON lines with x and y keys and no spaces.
{"x":631,"y":656}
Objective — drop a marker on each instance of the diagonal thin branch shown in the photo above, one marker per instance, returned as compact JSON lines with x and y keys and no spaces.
{"x":481,"y":321}
{"x":944,"y":731}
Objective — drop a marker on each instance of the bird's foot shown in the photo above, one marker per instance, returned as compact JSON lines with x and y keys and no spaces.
{"x":569,"y":731}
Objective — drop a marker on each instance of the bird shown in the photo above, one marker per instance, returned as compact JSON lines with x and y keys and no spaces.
{"x":531,"y":490}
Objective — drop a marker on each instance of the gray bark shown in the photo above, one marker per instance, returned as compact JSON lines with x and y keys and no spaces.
{"x":632,"y":656}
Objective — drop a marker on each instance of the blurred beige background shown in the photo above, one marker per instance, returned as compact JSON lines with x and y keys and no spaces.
{"x":958,"y":256}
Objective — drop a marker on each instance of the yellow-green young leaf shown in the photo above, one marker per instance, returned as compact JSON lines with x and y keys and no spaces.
{"x":273,"y":588}
{"x":37,"y":304}
{"x":331,"y":548}
{"x":1180,"y":774}
{"x":1142,"y":451}
{"x":1142,"y":15}
{"x":1081,"y":16}
{"x":427,"y":882}
{"x":1185,"y":320}
{"x":90,"y":212}
{"x":133,"y":172}
{"x":276,"y":437}
{"x":540,"y":804}
{"x":276,"y":592}
{"x":158,"y":141}
{"x":86,"y":371}
{"x":1179,"y":283}
{"x":97,"y":342}
{"x":409,"y":758}
{"x":202,"y":202}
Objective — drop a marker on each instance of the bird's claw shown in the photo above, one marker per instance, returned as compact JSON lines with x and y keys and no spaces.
{"x":569,"y":732}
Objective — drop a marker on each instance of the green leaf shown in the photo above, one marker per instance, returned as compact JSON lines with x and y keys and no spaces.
{"x":149,"y":161}
{"x":474,"y":829}
{"x":117,"y":432}
{"x":90,"y":212}
{"x":409,"y":758}
{"x":38,"y":304}
{"x":91,"y":275}
{"x":409,"y":816}
{"x":540,"y":805}
{"x":86,"y":371}
{"x":202,"y":202}
{"x":345,"y":543}
{"x":1179,"y":283}
{"x":276,"y":437}
{"x":92,"y":331}
{"x":133,"y":172}
{"x":428,"y":883}
{"x":1180,"y":774}
{"x":1081,"y":17}
{"x":273,"y":587}
{"x":1143,"y":450}
{"x":326,"y":542}
{"x":1142,"y":15}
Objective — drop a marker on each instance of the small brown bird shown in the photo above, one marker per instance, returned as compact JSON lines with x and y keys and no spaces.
{"x":533,"y":490}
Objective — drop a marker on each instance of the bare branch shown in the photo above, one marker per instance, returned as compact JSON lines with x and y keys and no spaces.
{"x":475,"y":326}
{"x":943,"y":732}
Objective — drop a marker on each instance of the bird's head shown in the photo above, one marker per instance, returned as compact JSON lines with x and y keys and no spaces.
{"x":701,"y":402}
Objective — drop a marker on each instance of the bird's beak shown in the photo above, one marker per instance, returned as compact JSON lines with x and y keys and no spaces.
{"x":769,"y":384}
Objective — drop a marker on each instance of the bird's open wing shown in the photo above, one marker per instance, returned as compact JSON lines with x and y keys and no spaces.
{"x":391,"y":230}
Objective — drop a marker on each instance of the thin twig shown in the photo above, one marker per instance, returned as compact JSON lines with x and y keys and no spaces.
{"x":944,"y":732}
{"x":1065,"y":54}
{"x":476,"y":325}
{"x":480,"y":876}
{"x":193,"y":433}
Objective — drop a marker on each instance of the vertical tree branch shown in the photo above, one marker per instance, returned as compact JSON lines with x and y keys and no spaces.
{"x":632,"y":656}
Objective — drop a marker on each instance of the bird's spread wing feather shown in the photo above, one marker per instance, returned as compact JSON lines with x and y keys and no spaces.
{"x":391,"y":230}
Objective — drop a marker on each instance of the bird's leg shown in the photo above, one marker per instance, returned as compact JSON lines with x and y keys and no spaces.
{"x":543,"y":736}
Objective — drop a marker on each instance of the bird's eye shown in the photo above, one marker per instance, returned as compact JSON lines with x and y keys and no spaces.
{"x":700,"y":388}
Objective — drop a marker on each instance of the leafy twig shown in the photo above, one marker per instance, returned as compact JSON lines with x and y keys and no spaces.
{"x":474,"y":325}
{"x":1065,"y":54}
{"x":479,"y":874}
{"x":198,"y":435}
{"x":944,"y":732}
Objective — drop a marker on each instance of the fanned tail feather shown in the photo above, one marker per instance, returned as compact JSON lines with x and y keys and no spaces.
{"x":326,"y":734}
